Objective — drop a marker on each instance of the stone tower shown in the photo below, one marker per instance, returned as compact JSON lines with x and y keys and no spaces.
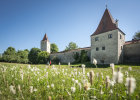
{"x":107,"y":41}
{"x":45,"y":44}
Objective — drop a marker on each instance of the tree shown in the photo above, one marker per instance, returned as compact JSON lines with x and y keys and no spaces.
{"x":83,"y":56}
{"x":136,"y":36}
{"x":76,"y":57}
{"x":43,"y":57}
{"x":71,"y":46}
{"x":54,"y":48}
{"x":33,"y":55}
{"x":9,"y":55}
{"x":22,"y":56}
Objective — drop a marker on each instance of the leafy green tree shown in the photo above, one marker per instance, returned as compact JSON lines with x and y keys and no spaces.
{"x":136,"y":36}
{"x":71,"y":46}
{"x":9,"y":55}
{"x":26,"y":50}
{"x":33,"y":55}
{"x":54,"y":48}
{"x":83,"y":56}
{"x":1,"y":57}
{"x":76,"y":57}
{"x":43,"y":57}
{"x":22,"y":56}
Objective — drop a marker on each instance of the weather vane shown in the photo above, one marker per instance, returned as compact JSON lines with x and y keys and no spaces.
{"x":106,"y":5}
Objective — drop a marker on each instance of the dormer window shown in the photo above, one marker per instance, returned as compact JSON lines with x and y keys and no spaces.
{"x":109,"y":36}
{"x":96,"y":39}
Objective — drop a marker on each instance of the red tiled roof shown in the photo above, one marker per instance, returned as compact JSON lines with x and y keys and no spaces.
{"x":106,"y":24}
{"x":131,"y":42}
{"x":45,"y":37}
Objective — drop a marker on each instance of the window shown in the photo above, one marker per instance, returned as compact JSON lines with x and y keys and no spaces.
{"x":121,"y":47}
{"x":109,"y":36}
{"x":97,"y":49}
{"x":120,"y":36}
{"x":96,"y":39}
{"x":103,"y":48}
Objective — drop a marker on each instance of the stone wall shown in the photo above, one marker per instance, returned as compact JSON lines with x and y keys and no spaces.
{"x":132,"y":52}
{"x":67,"y":56}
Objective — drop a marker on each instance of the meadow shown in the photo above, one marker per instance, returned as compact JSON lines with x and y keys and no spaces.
{"x":63,"y":82}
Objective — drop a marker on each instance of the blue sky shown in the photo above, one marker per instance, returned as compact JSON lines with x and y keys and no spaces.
{"x":23,"y":23}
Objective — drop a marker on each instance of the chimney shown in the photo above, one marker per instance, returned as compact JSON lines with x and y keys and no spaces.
{"x":116,"y":22}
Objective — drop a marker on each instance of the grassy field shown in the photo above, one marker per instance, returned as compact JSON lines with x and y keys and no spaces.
{"x":62,"y":82}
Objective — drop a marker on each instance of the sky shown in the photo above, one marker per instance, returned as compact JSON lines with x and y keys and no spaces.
{"x":23,"y":23}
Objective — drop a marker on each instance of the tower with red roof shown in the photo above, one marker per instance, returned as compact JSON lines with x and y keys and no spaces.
{"x":45,"y":44}
{"x":107,"y":41}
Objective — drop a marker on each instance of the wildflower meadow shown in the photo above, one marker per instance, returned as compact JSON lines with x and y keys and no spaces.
{"x":63,"y":82}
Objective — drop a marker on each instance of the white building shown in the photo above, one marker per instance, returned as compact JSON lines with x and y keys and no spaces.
{"x":45,"y":44}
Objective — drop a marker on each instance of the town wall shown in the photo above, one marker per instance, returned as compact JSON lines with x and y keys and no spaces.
{"x":132,"y":52}
{"x":68,"y":56}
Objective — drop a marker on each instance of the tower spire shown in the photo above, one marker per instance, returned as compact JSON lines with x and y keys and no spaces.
{"x":45,"y":37}
{"x":106,"y":24}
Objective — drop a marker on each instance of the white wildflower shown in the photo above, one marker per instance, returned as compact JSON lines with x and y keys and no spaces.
{"x":111,"y":91}
{"x":29,"y":66}
{"x":83,"y":68}
{"x":31,"y":89}
{"x":73,"y":89}
{"x":73,"y":79}
{"x":80,"y":86}
{"x":88,"y":75}
{"x":59,"y":63}
{"x":131,"y":84}
{"x":76,"y":81}
{"x":63,"y":80}
{"x":69,"y":64}
{"x":97,"y":74}
{"x":52,"y":85}
{"x":112,"y":67}
{"x":118,"y":76}
{"x":107,"y":81}
{"x":126,"y":73}
{"x":87,"y":86}
{"x":19,"y":88}
{"x":12,"y":89}
{"x":91,"y":77}
{"x":102,"y":76}
{"x":101,"y":92}
{"x":129,"y":68}
{"x":35,"y":90}
{"x":112,"y":83}
{"x":48,"y":86}
{"x":94,"y":61}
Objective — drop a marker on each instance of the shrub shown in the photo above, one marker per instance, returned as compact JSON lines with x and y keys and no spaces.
{"x":33,"y":55}
{"x":55,"y":60}
{"x":82,"y":57}
{"x":43,"y":57}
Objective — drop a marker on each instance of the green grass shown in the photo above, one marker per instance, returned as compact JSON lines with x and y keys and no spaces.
{"x":62,"y":78}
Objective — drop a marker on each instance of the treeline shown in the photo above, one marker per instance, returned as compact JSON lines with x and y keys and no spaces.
{"x":34,"y":56}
